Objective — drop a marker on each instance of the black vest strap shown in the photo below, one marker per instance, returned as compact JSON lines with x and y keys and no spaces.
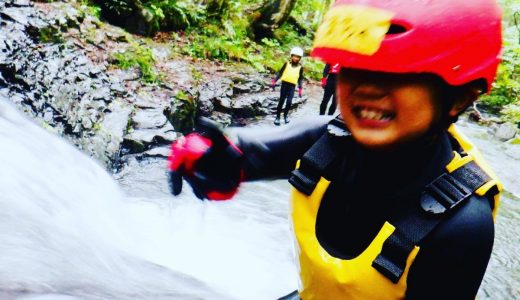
{"x":318,"y":158}
{"x":440,"y":197}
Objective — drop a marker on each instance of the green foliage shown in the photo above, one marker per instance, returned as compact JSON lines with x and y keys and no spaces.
{"x":50,"y":34}
{"x":196,"y":74}
{"x":208,"y":42}
{"x":515,"y":141}
{"x":314,"y":69}
{"x":310,"y":12}
{"x":506,"y":89}
{"x":224,"y":36}
{"x":91,"y":8}
{"x":120,"y":8}
{"x":182,"y":112}
{"x":140,"y":57}
{"x":172,"y":14}
{"x":505,"y":95}
{"x":156,"y":14}
{"x":511,"y":113}
{"x":230,"y":40}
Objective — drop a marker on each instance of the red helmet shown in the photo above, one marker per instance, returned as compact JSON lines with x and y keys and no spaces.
{"x":458,"y":40}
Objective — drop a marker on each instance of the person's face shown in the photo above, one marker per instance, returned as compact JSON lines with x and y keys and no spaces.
{"x":295,"y":59}
{"x":384,"y":110}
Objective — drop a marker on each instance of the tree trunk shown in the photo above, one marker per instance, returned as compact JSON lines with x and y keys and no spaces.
{"x":270,"y":16}
{"x":318,"y":17}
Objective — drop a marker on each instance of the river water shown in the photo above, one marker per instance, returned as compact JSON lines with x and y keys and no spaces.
{"x":70,"y":230}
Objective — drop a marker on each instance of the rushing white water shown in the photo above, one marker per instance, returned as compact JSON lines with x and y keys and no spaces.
{"x":68,"y":230}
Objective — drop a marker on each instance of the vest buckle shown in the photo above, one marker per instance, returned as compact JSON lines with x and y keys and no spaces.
{"x":443,"y":194}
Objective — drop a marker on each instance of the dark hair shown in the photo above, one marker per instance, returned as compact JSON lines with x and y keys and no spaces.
{"x":448,"y":96}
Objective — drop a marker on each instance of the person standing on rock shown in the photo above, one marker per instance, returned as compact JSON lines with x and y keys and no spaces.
{"x":291,"y":74}
{"x":328,"y":83}
{"x":389,"y":200}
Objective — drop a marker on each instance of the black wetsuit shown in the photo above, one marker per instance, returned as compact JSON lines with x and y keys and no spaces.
{"x":328,"y":92}
{"x":286,"y":92}
{"x":373,"y":188}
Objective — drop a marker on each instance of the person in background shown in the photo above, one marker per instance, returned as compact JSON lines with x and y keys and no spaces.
{"x":328,"y":83}
{"x":291,"y":74}
{"x":389,"y":200}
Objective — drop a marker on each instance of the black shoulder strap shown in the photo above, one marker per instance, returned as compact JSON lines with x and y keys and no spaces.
{"x":319,"y":157}
{"x":439,"y":197}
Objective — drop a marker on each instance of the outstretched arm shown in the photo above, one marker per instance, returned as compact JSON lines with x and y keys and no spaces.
{"x":214,"y":162}
{"x":271,"y":153}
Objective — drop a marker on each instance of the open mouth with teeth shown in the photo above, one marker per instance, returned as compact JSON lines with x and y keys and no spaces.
{"x":373,"y":115}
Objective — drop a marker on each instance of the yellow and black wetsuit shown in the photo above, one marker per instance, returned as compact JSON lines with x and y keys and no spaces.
{"x":368,"y":191}
{"x":291,"y":75}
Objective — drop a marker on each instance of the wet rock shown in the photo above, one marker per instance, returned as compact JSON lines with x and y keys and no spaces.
{"x":65,"y":16}
{"x":149,"y":119}
{"x":59,"y":84}
{"x":144,"y":101}
{"x":101,"y":93}
{"x":105,"y":143}
{"x":98,"y":39}
{"x":132,"y":144}
{"x":142,"y":139}
{"x":249,"y":106}
{"x":212,"y":92}
{"x":117,"y":89}
{"x":167,"y":134}
{"x":160,"y":152}
{"x":504,"y":132}
{"x":15,"y":14}
{"x":241,"y":96}
{"x":223,"y":104}
{"x":180,"y":72}
{"x":18,"y":3}
{"x":222,"y":118}
{"x":247,"y":88}
{"x":181,"y":113}
{"x":245,"y":84}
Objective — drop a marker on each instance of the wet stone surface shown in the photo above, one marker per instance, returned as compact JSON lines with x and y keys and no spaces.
{"x":55,"y":66}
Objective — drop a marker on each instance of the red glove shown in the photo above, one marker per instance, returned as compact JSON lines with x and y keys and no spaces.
{"x":300,"y":92}
{"x":208,"y":161}
{"x":324,"y":82}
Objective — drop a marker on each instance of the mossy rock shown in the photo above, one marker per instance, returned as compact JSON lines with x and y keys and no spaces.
{"x":181,"y":113}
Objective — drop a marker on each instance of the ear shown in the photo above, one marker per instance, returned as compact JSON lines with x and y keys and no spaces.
{"x":466,"y":96}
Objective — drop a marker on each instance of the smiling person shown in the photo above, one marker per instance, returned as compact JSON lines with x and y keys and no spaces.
{"x":389,"y":200}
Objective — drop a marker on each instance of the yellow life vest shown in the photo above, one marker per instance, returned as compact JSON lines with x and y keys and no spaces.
{"x":326,"y":277}
{"x":291,"y":74}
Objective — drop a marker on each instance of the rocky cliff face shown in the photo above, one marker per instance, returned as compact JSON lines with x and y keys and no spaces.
{"x":56,"y":83}
{"x":55,"y":65}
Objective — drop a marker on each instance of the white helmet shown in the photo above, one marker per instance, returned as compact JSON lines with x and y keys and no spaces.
{"x":297,"y":51}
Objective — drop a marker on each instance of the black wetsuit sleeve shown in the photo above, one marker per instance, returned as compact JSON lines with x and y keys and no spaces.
{"x":326,"y":70}
{"x":272,"y":153}
{"x":280,"y":72}
{"x":453,"y":259}
{"x":300,"y":78}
